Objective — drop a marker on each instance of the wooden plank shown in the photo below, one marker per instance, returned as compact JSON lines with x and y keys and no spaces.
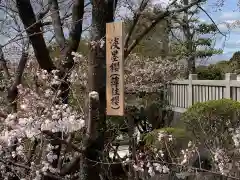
{"x":186,"y":82}
{"x":178,"y":109}
{"x":210,"y":82}
{"x":235,"y":83}
{"x":115,"y":70}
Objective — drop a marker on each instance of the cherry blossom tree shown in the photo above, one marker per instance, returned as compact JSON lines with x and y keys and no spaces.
{"x":42,"y":136}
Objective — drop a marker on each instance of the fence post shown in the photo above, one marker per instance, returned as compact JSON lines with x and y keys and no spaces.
{"x":190,"y":89}
{"x":228,"y":78}
{"x":238,"y":77}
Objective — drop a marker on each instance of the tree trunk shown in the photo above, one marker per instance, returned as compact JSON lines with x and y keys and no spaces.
{"x":89,"y":168}
{"x":33,"y":29}
{"x":132,"y":147}
{"x":56,"y":22}
{"x":13,"y":91}
{"x":189,"y":39}
{"x":74,"y":40}
{"x":102,"y":13}
{"x":191,"y":67}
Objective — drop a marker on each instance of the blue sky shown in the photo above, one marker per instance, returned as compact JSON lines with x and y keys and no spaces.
{"x":229,"y":12}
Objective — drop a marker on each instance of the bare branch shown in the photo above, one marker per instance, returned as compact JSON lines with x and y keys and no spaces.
{"x":44,"y":12}
{"x":75,"y":34}
{"x":28,"y":18}
{"x":211,"y":20}
{"x":135,"y":21}
{"x":70,"y":167}
{"x":63,"y":18}
{"x":159,"y":18}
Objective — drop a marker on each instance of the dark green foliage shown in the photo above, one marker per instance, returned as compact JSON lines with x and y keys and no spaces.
{"x":208,"y":52}
{"x":224,"y":66}
{"x":217,"y":71}
{"x":191,"y":47}
{"x":235,"y":62}
{"x":204,"y":28}
{"x":235,"y":57}
{"x":152,"y":137}
{"x":211,"y":122}
{"x":209,"y":73}
{"x":203,"y":41}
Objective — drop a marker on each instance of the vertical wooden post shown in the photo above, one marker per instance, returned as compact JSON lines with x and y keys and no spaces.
{"x":190,"y":89}
{"x":93,"y":120}
{"x":228,"y":78}
{"x":90,"y":146}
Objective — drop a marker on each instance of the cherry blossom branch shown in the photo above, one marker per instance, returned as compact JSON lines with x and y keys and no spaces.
{"x":196,"y":169}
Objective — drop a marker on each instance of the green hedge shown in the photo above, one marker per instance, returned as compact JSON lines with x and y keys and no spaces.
{"x":211,"y":122}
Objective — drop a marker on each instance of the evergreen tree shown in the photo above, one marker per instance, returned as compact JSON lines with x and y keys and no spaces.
{"x":235,"y":62}
{"x":196,"y":38}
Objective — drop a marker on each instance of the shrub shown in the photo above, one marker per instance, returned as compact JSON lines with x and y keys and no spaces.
{"x":210,"y":73}
{"x":213,"y":122}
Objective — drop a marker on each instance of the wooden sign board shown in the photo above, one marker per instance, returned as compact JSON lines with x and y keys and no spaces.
{"x":115,"y":70}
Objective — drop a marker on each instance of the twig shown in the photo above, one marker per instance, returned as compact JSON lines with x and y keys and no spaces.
{"x":15,"y":164}
{"x":135,"y":21}
{"x":211,"y":20}
{"x":74,"y":147}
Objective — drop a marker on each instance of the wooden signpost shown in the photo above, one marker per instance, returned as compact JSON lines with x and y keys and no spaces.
{"x":115,"y":70}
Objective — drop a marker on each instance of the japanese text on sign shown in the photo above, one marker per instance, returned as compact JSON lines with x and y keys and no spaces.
{"x":115,"y":91}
